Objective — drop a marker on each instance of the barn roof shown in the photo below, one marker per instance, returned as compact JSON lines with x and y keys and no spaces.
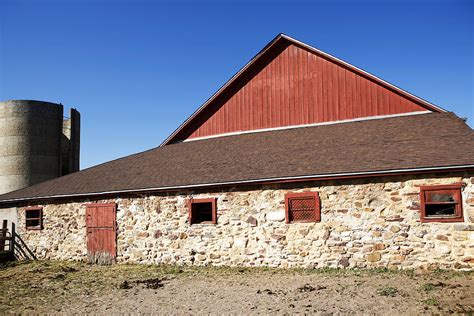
{"x":414,"y":143}
{"x":260,"y":61}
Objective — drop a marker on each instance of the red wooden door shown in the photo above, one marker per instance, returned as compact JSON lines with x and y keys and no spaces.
{"x":101,"y":233}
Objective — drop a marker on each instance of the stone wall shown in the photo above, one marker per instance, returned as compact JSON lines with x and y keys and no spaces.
{"x":363,"y":224}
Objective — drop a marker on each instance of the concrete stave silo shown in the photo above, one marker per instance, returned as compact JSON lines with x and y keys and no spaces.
{"x":36,"y":143}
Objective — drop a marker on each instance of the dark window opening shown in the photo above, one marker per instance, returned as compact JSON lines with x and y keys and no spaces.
{"x":441,"y":203}
{"x":34,"y":218}
{"x":440,"y":210}
{"x":203,"y":211}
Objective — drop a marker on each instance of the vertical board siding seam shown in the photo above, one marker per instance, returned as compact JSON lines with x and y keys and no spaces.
{"x":299,"y":87}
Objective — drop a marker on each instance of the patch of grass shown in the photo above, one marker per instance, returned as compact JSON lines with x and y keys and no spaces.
{"x":448,"y":274}
{"x":349,"y":272}
{"x":23,"y":284}
{"x":428,"y":287}
{"x":431,"y":302}
{"x":384,"y":272}
{"x":387,"y":291}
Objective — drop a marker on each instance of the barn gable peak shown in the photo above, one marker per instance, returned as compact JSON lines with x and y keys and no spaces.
{"x":290,"y":83}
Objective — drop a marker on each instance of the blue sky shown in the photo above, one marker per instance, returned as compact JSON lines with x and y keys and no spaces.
{"x":137,"y":69}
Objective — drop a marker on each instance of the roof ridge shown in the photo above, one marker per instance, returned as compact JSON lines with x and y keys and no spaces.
{"x":360,"y":71}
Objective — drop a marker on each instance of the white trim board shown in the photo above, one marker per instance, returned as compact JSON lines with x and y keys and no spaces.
{"x":314,"y":50}
{"x":361,"y":119}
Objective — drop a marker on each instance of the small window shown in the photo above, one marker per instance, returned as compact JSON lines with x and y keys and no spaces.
{"x":202,"y":211}
{"x":441,"y":203}
{"x":34,"y":218}
{"x":302,"y":207}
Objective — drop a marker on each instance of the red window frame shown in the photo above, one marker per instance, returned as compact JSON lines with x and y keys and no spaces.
{"x":317,"y":210}
{"x":40,"y":218}
{"x":192,"y":202}
{"x":457,"y":217}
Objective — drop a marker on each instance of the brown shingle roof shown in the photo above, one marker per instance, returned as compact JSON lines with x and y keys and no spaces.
{"x":405,"y":142}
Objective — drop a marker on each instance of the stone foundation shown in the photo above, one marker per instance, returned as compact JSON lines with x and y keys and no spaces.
{"x":364,"y":224}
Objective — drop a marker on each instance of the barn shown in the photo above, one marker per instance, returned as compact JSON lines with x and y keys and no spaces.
{"x":299,"y":160}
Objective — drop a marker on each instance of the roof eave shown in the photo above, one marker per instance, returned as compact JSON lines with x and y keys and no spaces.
{"x":289,"y":179}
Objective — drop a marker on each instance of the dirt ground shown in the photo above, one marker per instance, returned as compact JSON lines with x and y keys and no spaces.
{"x":68,"y":287}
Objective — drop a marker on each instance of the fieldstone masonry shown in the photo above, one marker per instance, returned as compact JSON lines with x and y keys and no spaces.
{"x":363,"y":225}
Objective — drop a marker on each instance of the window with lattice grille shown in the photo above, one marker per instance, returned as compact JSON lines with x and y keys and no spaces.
{"x":441,"y":203}
{"x":302,"y":207}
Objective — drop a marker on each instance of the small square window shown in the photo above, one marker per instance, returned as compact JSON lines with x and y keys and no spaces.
{"x":302,"y":207}
{"x":202,"y":211}
{"x":441,"y":203}
{"x":34,"y":218}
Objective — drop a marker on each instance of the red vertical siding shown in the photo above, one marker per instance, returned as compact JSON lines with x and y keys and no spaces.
{"x":300,"y":87}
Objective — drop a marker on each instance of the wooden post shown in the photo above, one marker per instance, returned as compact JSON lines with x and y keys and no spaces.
{"x":12,"y":241}
{"x":3,"y":235}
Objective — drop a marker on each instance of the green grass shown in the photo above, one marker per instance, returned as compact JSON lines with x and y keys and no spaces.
{"x":22,"y":285}
{"x":387,"y":291}
{"x":428,"y":287}
{"x":52,"y":283}
{"x":431,"y":302}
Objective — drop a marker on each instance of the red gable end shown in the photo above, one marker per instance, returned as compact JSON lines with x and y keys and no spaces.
{"x":289,"y":84}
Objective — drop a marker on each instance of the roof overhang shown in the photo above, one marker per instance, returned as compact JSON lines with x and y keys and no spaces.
{"x":276,"y":180}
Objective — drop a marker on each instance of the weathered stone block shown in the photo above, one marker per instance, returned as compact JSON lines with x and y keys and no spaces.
{"x":278,"y":236}
{"x":341,"y":228}
{"x":464,"y":227}
{"x":240,"y":242}
{"x":277,"y":216}
{"x":444,"y":249}
{"x":399,"y":238}
{"x":394,"y":218}
{"x":442,"y":237}
{"x":214,"y":255}
{"x":252,"y":221}
{"x":379,"y":246}
{"x":374,"y":257}
{"x":394,"y":229}
{"x":344,"y":262}
{"x":376,"y":233}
